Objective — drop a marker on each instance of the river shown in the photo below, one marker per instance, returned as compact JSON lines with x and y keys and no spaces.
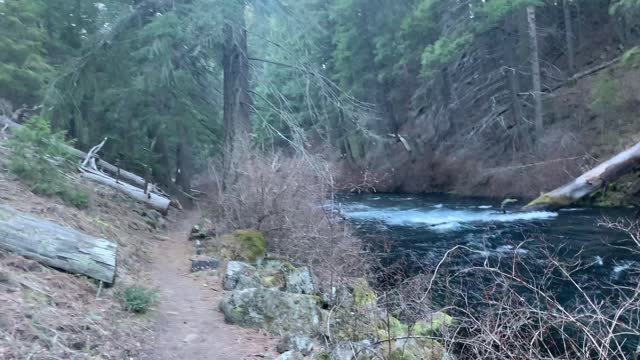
{"x":421,"y":228}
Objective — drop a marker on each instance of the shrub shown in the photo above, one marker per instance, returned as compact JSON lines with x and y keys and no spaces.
{"x":137,"y":299}
{"x":287,"y":198}
{"x":40,"y":158}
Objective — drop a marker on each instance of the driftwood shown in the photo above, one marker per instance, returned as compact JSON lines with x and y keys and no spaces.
{"x":589,"y":182}
{"x":57,"y":246}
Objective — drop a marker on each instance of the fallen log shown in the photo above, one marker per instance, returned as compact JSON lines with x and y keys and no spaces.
{"x":112,"y":169}
{"x":589,"y":182}
{"x":156,"y":201}
{"x":57,"y":246}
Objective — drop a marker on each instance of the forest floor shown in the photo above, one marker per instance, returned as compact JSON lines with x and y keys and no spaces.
{"x":189,"y":324}
{"x":49,"y":314}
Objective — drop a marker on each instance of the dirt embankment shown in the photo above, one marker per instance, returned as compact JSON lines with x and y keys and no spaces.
{"x":48,"y":314}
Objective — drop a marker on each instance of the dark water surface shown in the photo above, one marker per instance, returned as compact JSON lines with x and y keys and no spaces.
{"x":421,"y":228}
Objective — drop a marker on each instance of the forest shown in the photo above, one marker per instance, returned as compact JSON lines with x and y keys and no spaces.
{"x":357,"y":179}
{"x":409,"y":92}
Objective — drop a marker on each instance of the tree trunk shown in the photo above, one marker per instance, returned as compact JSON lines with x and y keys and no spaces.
{"x":523,"y":141}
{"x":589,"y":182}
{"x":155,"y":201}
{"x":184,"y":162}
{"x":535,"y":70}
{"x":57,"y":246}
{"x":568,"y":27}
{"x":237,"y":101}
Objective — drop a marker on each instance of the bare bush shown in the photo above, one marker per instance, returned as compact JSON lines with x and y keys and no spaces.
{"x":289,"y":199}
{"x":514,"y":311}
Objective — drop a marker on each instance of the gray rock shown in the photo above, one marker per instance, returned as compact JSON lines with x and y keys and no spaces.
{"x":240,"y":276}
{"x":201,"y":263}
{"x":271,"y":264}
{"x":301,"y":344}
{"x":290,"y":355}
{"x":299,"y":281}
{"x":197,"y":232}
{"x":276,"y":311}
{"x":346,"y":351}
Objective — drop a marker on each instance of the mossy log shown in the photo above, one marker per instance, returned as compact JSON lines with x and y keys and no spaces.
{"x":589,"y":182}
{"x":57,"y":246}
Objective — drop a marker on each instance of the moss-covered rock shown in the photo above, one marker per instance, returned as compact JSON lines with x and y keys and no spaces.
{"x":391,"y":328}
{"x":239,"y":275}
{"x":299,"y":281}
{"x":432,"y":324}
{"x":272,"y":310}
{"x":272,"y":281}
{"x":242,"y":245}
{"x":252,"y":244}
{"x":415,"y":349}
{"x":363,"y":296}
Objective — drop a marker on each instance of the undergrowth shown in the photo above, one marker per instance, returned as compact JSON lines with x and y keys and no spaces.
{"x":40,"y":158}
{"x":137,"y":299}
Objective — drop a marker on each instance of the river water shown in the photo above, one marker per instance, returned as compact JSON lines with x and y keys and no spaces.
{"x":421,"y":228}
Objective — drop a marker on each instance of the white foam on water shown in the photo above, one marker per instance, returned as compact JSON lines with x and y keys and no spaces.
{"x":443,"y":219}
{"x":572,"y":209}
{"x":623,"y":266}
{"x":485,"y":206}
{"x":598,"y":260}
{"x":439,"y":206}
{"x":445,"y":227}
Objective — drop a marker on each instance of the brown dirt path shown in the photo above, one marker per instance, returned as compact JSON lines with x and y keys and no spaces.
{"x":190,"y":326}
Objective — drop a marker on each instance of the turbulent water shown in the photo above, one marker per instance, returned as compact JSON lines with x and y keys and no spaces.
{"x":421,"y":228}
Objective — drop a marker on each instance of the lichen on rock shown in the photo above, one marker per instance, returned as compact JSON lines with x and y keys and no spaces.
{"x":273,"y":310}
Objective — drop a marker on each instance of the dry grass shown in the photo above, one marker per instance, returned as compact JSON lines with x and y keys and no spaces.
{"x":48,"y":314}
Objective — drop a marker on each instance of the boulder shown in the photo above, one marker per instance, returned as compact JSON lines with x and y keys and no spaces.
{"x":240,"y":276}
{"x":197,"y":232}
{"x":302,"y":344}
{"x":299,"y":281}
{"x":290,"y":355}
{"x":364,"y":298}
{"x":202,"y":262}
{"x":275,"y":311}
{"x":252,"y":244}
{"x":361,"y":350}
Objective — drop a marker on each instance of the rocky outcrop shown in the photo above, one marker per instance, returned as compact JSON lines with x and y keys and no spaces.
{"x":302,"y":344}
{"x":240,"y":276}
{"x":299,"y":281}
{"x":202,"y":263}
{"x":273,"y":310}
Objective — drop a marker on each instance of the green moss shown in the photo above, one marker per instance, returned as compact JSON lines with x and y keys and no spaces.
{"x":547,"y":201}
{"x":394,"y":329}
{"x":631,"y":57}
{"x":272,"y":281}
{"x":252,"y":243}
{"x":363,"y":295}
{"x":431,"y":326}
{"x":322,"y":356}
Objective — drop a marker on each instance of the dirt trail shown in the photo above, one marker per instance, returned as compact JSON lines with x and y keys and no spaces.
{"x":189,"y":325}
